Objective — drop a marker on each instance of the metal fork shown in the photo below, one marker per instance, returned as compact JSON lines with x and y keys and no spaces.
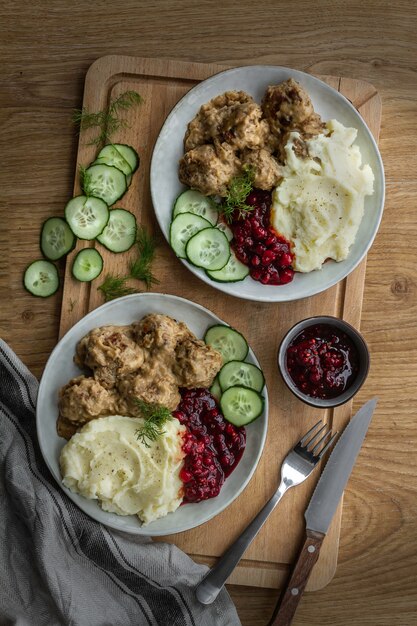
{"x":297,"y":466}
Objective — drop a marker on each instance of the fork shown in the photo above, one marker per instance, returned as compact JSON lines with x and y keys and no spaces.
{"x":297,"y":466}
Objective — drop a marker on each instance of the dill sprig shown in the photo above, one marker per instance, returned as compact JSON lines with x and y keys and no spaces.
{"x":238,"y":190}
{"x":140,"y":268}
{"x":116,"y":287}
{"x":155,"y":416}
{"x":85,"y":182}
{"x":108,"y":120}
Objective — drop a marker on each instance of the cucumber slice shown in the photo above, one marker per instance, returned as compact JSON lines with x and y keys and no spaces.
{"x":231,"y":344}
{"x":242,"y":374}
{"x":105,"y":182}
{"x":120,"y":232}
{"x":182,"y":228}
{"x":41,"y":278}
{"x":225,"y":229}
{"x":121,"y":164}
{"x":208,"y":249}
{"x":215,"y":389}
{"x":232,"y":272}
{"x":109,"y":155}
{"x":241,"y":406}
{"x":87,"y":265}
{"x":192,"y":201}
{"x":87,"y":216}
{"x":123,"y":157}
{"x":57,"y":238}
{"x":129,"y":154}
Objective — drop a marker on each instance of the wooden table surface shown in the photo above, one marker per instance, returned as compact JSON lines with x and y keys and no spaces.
{"x":45,"y":50}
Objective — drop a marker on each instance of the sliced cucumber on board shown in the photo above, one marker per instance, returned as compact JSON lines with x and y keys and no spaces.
{"x":119,"y":233}
{"x":125,"y":158}
{"x":87,"y":216}
{"x":192,"y":201}
{"x":129,"y":154}
{"x":41,"y":278}
{"x":87,"y":265}
{"x":57,"y":238}
{"x":106,"y":182}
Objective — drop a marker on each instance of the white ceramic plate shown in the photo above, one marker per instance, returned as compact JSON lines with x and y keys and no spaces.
{"x":60,"y":368}
{"x":329,"y":103}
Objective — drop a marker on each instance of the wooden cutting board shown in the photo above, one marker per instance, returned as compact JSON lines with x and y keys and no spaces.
{"x":162,"y":83}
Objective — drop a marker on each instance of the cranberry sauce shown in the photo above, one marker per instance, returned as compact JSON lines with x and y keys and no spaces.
{"x":258,"y":246}
{"x":322,"y":361}
{"x":212,"y":445}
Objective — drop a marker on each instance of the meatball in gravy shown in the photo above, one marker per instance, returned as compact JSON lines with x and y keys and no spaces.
{"x":232,"y":132}
{"x":148,"y":360}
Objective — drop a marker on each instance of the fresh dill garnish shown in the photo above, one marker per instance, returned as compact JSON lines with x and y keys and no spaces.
{"x":107,"y":121}
{"x":85,"y":182}
{"x":140,"y":268}
{"x":155,"y":416}
{"x":238,"y":190}
{"x":116,"y":287}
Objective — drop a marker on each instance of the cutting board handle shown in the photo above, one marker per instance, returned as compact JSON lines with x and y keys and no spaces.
{"x":291,"y":595}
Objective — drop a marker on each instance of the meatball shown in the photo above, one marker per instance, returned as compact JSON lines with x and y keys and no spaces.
{"x":288,"y":107}
{"x":209,"y":168}
{"x":204,"y":127}
{"x":83,"y":399}
{"x":153,"y":383}
{"x":159,"y":332}
{"x":109,"y":351}
{"x":265,"y":168}
{"x":196,"y":364}
{"x":243,"y":127}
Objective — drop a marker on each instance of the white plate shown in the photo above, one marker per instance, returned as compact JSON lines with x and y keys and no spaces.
{"x":60,"y":368}
{"x":329,"y":103}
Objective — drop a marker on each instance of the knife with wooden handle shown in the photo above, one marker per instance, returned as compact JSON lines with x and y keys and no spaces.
{"x":321,"y":510}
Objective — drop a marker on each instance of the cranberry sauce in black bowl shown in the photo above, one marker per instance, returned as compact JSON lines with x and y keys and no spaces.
{"x":324,"y":361}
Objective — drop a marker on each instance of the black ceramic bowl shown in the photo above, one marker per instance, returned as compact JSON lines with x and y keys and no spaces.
{"x":363,"y":359}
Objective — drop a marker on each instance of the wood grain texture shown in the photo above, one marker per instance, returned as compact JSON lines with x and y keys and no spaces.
{"x":44,"y":62}
{"x":161,"y":84}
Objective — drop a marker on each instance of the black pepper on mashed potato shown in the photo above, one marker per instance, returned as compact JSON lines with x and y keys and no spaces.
{"x":107,"y":462}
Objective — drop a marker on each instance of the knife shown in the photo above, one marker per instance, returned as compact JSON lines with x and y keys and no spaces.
{"x":321,"y":510}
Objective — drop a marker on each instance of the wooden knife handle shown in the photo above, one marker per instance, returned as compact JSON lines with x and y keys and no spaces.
{"x":291,"y":595}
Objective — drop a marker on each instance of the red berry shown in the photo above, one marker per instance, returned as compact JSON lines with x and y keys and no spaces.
{"x":285,"y":260}
{"x":260,"y":249}
{"x":286,"y":276}
{"x":256,"y":274}
{"x":267,"y":257}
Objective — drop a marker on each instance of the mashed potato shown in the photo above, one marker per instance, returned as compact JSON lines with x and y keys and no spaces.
{"x":319,"y":204}
{"x":105,"y":461}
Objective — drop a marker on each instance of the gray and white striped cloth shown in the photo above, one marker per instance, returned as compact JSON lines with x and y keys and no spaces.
{"x":57,"y":566}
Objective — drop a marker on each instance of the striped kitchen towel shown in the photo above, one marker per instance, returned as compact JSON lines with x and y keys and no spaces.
{"x":58,"y":566}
